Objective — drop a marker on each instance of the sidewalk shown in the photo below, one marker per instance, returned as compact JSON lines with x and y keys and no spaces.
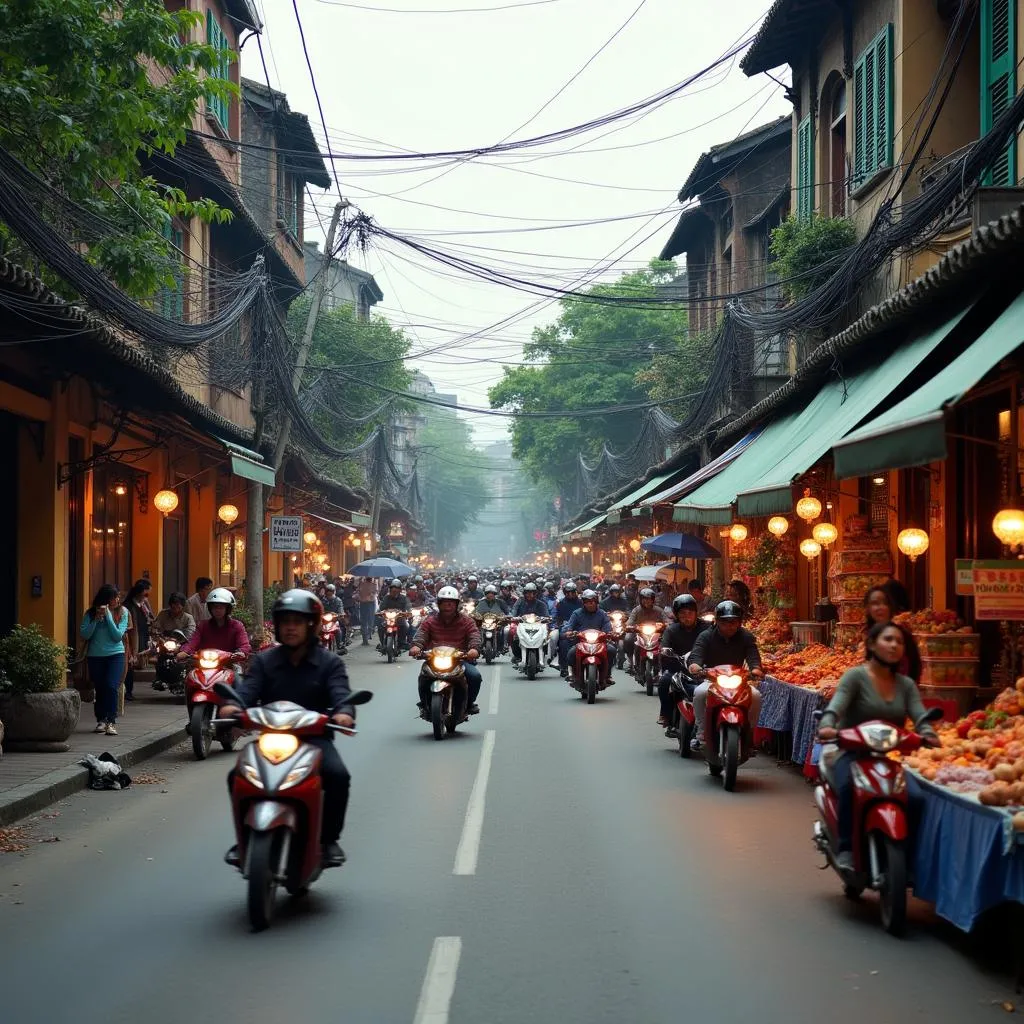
{"x":28,"y":782}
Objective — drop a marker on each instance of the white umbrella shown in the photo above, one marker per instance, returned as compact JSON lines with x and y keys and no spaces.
{"x":649,"y":573}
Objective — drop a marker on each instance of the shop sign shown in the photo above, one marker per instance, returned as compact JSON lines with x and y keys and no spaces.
{"x":286,"y":533}
{"x":965,"y":577}
{"x":998,"y":590}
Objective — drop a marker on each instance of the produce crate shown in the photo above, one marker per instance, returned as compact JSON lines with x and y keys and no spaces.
{"x":805,"y":633}
{"x":851,"y":612}
{"x":850,"y":634}
{"x":950,"y":672}
{"x":859,"y":561}
{"x":853,"y":586}
{"x":948,"y":645}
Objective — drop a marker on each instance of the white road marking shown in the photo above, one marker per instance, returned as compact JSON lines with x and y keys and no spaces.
{"x":469,"y":845}
{"x":492,"y":708}
{"x":439,"y":983}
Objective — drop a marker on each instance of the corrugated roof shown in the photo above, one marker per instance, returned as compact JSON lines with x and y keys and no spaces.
{"x":717,"y":161}
{"x":785,"y":26}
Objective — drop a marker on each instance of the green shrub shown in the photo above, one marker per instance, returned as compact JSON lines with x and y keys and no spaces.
{"x":799,"y":247}
{"x":31,"y":661}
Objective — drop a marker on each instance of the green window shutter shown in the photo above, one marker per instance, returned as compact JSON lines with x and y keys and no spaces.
{"x":998,"y":80}
{"x":860,"y":137}
{"x":215,"y":37}
{"x":884,"y":97}
{"x":805,"y":168}
{"x":873,"y":107}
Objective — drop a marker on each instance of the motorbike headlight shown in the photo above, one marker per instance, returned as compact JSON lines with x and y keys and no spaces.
{"x":251,"y":773}
{"x":591,"y":635}
{"x":881,"y":738}
{"x":443,"y":663}
{"x":170,"y":646}
{"x":329,"y":617}
{"x":278,"y":746}
{"x":648,"y":630}
{"x":209,"y":659}
{"x":490,"y":623}
{"x":529,"y":618}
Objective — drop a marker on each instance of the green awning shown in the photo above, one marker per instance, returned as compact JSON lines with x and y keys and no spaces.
{"x":834,"y":411}
{"x":641,"y":492}
{"x":913,"y":433}
{"x":249,"y":470}
{"x":590,"y":523}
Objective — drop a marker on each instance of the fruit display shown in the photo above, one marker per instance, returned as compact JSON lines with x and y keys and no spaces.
{"x":932,"y":621}
{"x":816,"y":667}
{"x":872,"y":562}
{"x":853,"y":586}
{"x":949,"y":671}
{"x":948,"y":645}
{"x":773,"y":631}
{"x":849,"y":634}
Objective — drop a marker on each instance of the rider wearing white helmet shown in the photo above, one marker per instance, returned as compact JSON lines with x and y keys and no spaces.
{"x":220,"y":632}
{"x":448,"y":627}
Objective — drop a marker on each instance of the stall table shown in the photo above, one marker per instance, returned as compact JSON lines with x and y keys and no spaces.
{"x":786,"y":708}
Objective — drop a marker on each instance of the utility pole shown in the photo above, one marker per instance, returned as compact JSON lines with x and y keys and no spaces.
{"x":378,"y":484}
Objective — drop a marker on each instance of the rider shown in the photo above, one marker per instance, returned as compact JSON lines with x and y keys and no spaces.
{"x":415,"y":596}
{"x":448,"y":627}
{"x":551,"y":596}
{"x":725,"y":643}
{"x":645,"y":611}
{"x":220,"y":632}
{"x":472,"y":591}
{"x":563,"y":613}
{"x":303,"y":672}
{"x":590,"y":616}
{"x":528,"y":604}
{"x":616,"y":601}
{"x":491,"y":604}
{"x":679,"y":639}
{"x":393,"y":600}
{"x":505,"y":593}
{"x":175,"y":616}
{"x":331,"y":602}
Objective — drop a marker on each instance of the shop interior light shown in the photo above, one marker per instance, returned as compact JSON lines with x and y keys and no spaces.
{"x":737,"y":532}
{"x":810,"y":548}
{"x":912,"y":542}
{"x":808,"y":508}
{"x":309,"y":537}
{"x":878,"y":481}
{"x":575,"y":549}
{"x":227,"y":514}
{"x":634,"y":544}
{"x":616,"y":567}
{"x":165,"y":501}
{"x":357,"y":541}
{"x":825,"y":534}
{"x":1008,"y":526}
{"x":120,"y":488}
{"x":778,"y":525}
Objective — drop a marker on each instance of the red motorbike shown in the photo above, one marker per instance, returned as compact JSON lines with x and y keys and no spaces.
{"x":727,"y":729}
{"x":390,"y":648}
{"x":202,"y":701}
{"x":645,"y":654}
{"x":880,"y":814}
{"x":590,"y":669}
{"x":330,"y":631}
{"x":277,"y":800}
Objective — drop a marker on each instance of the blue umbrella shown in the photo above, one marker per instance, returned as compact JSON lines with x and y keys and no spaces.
{"x":381,"y":567}
{"x":681,"y":545}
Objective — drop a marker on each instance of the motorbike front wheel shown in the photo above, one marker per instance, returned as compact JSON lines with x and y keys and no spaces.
{"x":201,"y":730}
{"x":649,"y":678}
{"x":488,"y":654}
{"x":892,"y":897}
{"x":685,"y":736}
{"x":437,"y":715}
{"x":531,"y":665}
{"x":591,"y":683}
{"x":732,"y":757}
{"x":262,"y":881}
{"x":390,"y":647}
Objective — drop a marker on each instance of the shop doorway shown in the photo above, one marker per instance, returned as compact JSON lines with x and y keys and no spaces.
{"x":175,"y":569}
{"x":76,"y":539}
{"x":9,"y":525}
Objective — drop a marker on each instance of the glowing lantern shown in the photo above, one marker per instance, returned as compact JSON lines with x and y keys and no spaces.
{"x":810,"y":548}
{"x":165,"y":501}
{"x":1008,"y":526}
{"x":634,"y":544}
{"x":778,"y":525}
{"x":738,"y":532}
{"x":808,"y":508}
{"x":227,"y":514}
{"x":825,"y":534}
{"x":912,"y":543}
{"x":309,"y":537}
{"x":575,"y":549}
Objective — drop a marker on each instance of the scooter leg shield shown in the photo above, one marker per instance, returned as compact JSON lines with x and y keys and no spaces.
{"x":888,"y":818}
{"x":265,"y":815}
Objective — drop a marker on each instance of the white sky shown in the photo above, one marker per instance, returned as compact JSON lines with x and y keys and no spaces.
{"x":434,"y":81}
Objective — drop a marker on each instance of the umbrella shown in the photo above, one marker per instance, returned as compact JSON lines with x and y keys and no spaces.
{"x":649,"y":573}
{"x":381,"y":567}
{"x":681,"y":545}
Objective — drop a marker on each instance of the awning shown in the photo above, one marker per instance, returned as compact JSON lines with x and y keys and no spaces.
{"x":331,"y":522}
{"x":248,"y":464}
{"x":631,"y":499}
{"x":695,"y":479}
{"x":913,"y":433}
{"x":590,"y":523}
{"x":760,"y":481}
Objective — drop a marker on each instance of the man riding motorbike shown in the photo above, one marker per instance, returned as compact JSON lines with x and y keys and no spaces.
{"x":300,"y":670}
{"x":448,"y":627}
{"x":725,"y":643}
{"x":616,"y":600}
{"x":590,"y":616}
{"x":331,"y":601}
{"x":529,"y":604}
{"x":220,"y":632}
{"x":472,"y":591}
{"x":563,"y":613}
{"x":491,"y":604}
{"x":394,"y":600}
{"x":679,"y":638}
{"x":415,"y":596}
{"x":645,"y":611}
{"x":505,"y":593}
{"x":175,"y":616}
{"x":551,"y":597}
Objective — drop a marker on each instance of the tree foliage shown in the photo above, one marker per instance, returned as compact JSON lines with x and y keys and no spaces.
{"x":802,"y":246}
{"x":595,"y":355}
{"x":78,"y":107}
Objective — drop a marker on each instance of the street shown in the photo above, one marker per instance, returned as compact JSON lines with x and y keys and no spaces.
{"x":592,"y":876}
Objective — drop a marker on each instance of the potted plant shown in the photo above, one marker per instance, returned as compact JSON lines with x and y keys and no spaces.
{"x":37,"y":711}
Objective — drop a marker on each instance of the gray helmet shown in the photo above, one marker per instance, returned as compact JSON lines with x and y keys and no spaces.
{"x":728,"y":610}
{"x":570,"y":586}
{"x":646,"y":592}
{"x":615,"y":589}
{"x":396,"y":583}
{"x":530,"y":588}
{"x":490,"y":589}
{"x":299,"y":602}
{"x":588,"y":595}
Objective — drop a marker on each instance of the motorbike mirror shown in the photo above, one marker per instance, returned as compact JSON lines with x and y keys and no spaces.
{"x":931,"y":715}
{"x":361,"y":697}
{"x":227,"y":693}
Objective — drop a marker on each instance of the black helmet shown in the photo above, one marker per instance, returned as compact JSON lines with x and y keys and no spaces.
{"x":299,"y":602}
{"x":683,"y":601}
{"x":728,"y":610}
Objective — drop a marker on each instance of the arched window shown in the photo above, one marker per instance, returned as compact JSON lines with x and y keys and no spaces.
{"x":833,"y":139}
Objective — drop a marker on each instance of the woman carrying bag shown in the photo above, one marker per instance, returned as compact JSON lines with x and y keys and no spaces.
{"x":103,"y":627}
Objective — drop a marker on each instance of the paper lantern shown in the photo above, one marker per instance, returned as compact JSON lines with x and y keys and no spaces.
{"x":634,"y":544}
{"x":309,"y":537}
{"x":808,"y":508}
{"x":825,"y":534}
{"x":1008,"y":526}
{"x":738,"y":532}
{"x":810,"y":548}
{"x":912,"y":543}
{"x":778,"y":525}
{"x":227,"y":514}
{"x":165,"y":501}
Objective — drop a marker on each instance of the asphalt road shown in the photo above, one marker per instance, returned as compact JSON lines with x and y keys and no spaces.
{"x":611,"y":881}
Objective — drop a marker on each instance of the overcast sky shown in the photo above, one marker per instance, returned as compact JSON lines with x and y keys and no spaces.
{"x":434,"y":81}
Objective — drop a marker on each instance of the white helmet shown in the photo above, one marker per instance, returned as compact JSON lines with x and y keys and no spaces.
{"x":221,"y":595}
{"x":588,"y":595}
{"x":447,"y":594}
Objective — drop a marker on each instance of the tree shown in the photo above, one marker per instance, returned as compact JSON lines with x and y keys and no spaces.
{"x":78,"y":107}
{"x":594,"y":354}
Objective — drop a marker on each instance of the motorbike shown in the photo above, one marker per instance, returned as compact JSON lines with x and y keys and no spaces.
{"x":618,"y":634}
{"x":449,"y":690}
{"x":391,"y":616}
{"x":681,"y":686}
{"x":202,"y":700}
{"x":880,"y":814}
{"x":532,"y":633}
{"x":490,"y":637}
{"x":645,"y":655}
{"x":170,"y":673}
{"x":468,"y":607}
{"x":330,"y":631}
{"x":589,"y":672}
{"x":727,"y":729}
{"x":277,"y":799}
{"x":416,"y":615}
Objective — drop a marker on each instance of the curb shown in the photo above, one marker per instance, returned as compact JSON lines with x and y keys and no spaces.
{"x":53,"y":786}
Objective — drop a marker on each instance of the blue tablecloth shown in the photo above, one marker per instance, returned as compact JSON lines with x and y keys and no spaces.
{"x":789,"y":708}
{"x":966,"y":858}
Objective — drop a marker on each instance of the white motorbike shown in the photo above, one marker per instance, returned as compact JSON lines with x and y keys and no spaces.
{"x":532,"y":633}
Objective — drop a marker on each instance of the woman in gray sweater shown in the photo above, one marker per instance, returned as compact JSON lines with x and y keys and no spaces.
{"x":870,"y":692}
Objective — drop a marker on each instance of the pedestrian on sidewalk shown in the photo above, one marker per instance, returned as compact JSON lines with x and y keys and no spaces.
{"x":367,"y":606}
{"x":137,"y":640}
{"x":104,"y":626}
{"x":197,"y":602}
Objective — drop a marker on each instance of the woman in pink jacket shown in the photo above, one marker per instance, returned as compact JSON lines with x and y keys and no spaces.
{"x":220,"y":632}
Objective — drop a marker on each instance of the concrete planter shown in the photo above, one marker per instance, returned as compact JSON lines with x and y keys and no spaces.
{"x":40,"y":721}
